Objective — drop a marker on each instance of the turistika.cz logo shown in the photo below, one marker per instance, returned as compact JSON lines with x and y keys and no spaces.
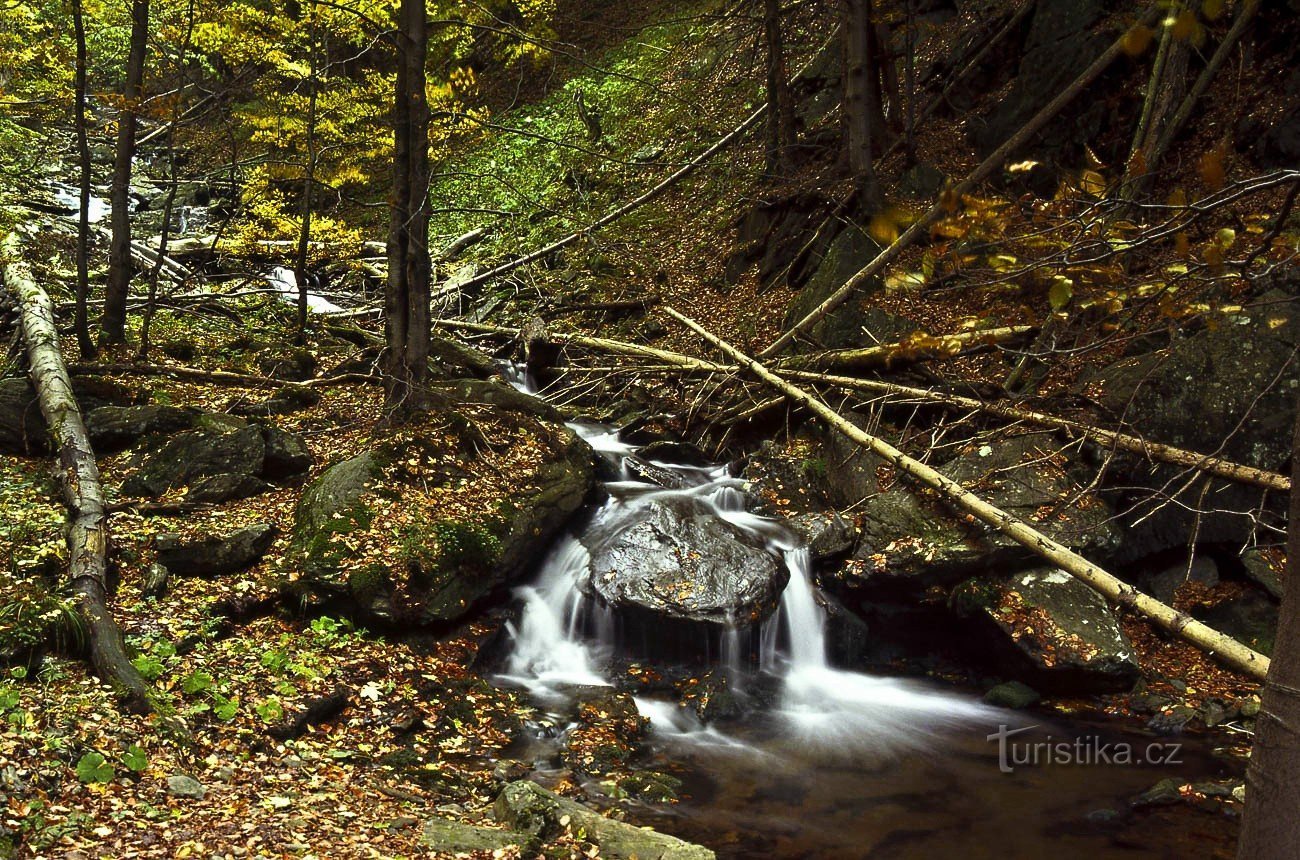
{"x":1082,"y":750}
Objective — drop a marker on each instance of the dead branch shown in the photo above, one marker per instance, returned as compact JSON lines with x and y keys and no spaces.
{"x":918,"y":347}
{"x":221,"y":377}
{"x":1224,"y":648}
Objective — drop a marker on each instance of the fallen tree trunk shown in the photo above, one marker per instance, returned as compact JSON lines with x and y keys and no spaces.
{"x":936,"y":212}
{"x":220,"y":377}
{"x":88,"y":536}
{"x":1224,"y":648}
{"x":1109,"y":438}
{"x":919,"y":347}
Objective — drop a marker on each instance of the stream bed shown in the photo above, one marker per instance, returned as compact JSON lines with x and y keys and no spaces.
{"x":825,"y":762}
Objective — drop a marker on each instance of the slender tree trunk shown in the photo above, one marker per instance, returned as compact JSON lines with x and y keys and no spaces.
{"x":82,"y":320}
{"x":309,"y":186}
{"x":780,"y":107}
{"x":862,"y":118}
{"x":1165,"y":91}
{"x":1270,"y":829}
{"x":113,"y":323}
{"x":409,"y":267}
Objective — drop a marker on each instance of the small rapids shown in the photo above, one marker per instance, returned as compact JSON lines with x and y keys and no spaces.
{"x":566,"y":638}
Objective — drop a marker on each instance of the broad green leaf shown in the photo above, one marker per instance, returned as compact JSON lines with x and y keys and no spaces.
{"x":92,"y":767}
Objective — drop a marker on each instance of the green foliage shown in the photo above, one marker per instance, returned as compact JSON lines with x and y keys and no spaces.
{"x":197,"y":682}
{"x":270,"y":710}
{"x":92,"y":767}
{"x":135,"y":759}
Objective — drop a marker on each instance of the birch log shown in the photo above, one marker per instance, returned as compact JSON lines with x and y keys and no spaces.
{"x":88,"y":535}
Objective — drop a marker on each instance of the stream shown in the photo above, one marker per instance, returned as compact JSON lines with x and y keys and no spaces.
{"x":827,"y":762}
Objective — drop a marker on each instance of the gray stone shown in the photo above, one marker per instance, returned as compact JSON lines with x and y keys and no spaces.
{"x":218,"y":447}
{"x":22,"y":428}
{"x":184,"y":786}
{"x":1052,"y":629}
{"x":214,"y":556}
{"x":112,"y":428}
{"x":827,"y":534}
{"x":678,"y":560}
{"x":531,"y":809}
{"x":1163,"y":583}
{"x":453,"y":837}
{"x":225,"y":488}
{"x":286,"y":455}
{"x":1266,"y":567}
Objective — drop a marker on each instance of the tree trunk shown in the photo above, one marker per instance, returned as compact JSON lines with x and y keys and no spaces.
{"x":863,"y":121}
{"x":87,"y":536}
{"x":309,"y":183}
{"x":1270,"y":828}
{"x":113,"y":323}
{"x":409,"y":267}
{"x":780,"y":107}
{"x":82,"y":322}
{"x":1165,"y":89}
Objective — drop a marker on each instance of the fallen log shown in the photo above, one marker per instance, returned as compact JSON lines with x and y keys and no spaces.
{"x":88,"y":535}
{"x":918,"y":347}
{"x":1108,"y":438}
{"x":220,"y":377}
{"x":945,"y":203}
{"x":1224,"y":648}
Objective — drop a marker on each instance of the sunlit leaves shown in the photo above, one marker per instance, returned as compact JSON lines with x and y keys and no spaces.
{"x":1137,"y":39}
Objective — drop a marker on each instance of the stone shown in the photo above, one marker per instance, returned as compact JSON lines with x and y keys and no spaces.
{"x":454,"y":837}
{"x":531,"y":809}
{"x":219,"y":446}
{"x":22,"y":428}
{"x":608,"y":732}
{"x":181,"y":785}
{"x":283,"y":401}
{"x":1012,"y":694}
{"x":1050,"y":629}
{"x":1166,"y":792}
{"x":113,"y":428}
{"x":214,"y":556}
{"x":451,"y":359}
{"x":1162,"y":584}
{"x":1267,"y":567}
{"x":216,"y":489}
{"x":287,"y":454}
{"x":155,"y":581}
{"x":915,"y":543}
{"x":295,"y":365}
{"x":678,"y":560}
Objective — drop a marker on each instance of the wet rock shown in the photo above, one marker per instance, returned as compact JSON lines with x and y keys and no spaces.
{"x":155,"y":581}
{"x":214,"y":556}
{"x":509,"y":770}
{"x":1051,"y":629}
{"x":1012,"y":694}
{"x":286,"y":454}
{"x":651,"y":786}
{"x":680,"y":561}
{"x":1166,"y":792}
{"x":710,"y":698}
{"x":453,"y":837}
{"x":609,"y":732}
{"x":828,"y":535}
{"x":915,"y":543}
{"x":683,"y":453}
{"x":226,"y":488}
{"x":848,"y":638}
{"x":181,"y":785}
{"x":219,"y":446}
{"x":531,"y":809}
{"x":113,"y":428}
{"x":451,"y":359}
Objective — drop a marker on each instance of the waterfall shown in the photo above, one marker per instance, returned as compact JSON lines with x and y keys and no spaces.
{"x":563,"y":637}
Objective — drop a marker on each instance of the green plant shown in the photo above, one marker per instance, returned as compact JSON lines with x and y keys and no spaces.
{"x":93,"y":767}
{"x":135,"y":759}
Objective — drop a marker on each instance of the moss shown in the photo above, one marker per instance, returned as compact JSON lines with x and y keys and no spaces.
{"x":974,"y":595}
{"x":319,"y":548}
{"x":367,"y":583}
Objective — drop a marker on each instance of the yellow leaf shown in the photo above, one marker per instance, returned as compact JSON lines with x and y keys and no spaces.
{"x":1092,"y":182}
{"x":1185,"y":25}
{"x":1178,"y":197}
{"x":1225,"y":237}
{"x":1212,"y":9}
{"x":1137,"y":39}
{"x":1213,"y":167}
{"x":883,"y":229}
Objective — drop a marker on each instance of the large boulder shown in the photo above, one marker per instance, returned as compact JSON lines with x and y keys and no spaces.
{"x":1050,"y":631}
{"x":113,"y":428}
{"x":677,"y":559}
{"x":1228,"y":388}
{"x":22,"y":428}
{"x":528,"y":808}
{"x":426,"y":523}
{"x":220,"y":445}
{"x":215,"y":555}
{"x":916,"y":541}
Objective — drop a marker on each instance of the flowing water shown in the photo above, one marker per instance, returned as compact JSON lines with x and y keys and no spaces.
{"x":830,"y":763}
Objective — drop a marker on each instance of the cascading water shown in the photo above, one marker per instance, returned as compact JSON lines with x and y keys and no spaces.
{"x":565,"y":637}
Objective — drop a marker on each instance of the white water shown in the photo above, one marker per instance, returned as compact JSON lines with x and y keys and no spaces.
{"x":285,"y":282}
{"x":565,"y":637}
{"x":68,"y":196}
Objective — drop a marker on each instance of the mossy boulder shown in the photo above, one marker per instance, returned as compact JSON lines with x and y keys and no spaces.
{"x":438,"y":515}
{"x":219,"y":445}
{"x":528,"y":808}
